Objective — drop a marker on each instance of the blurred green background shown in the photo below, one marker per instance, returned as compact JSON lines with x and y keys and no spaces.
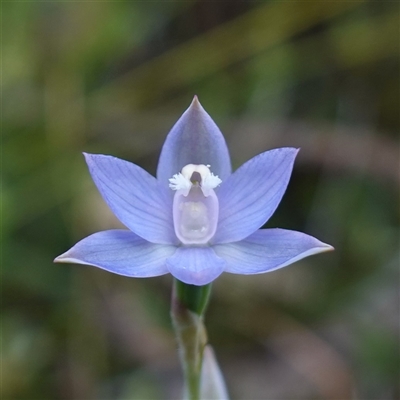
{"x":112,"y":78}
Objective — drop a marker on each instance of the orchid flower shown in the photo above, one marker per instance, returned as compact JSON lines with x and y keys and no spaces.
{"x":196,"y":219}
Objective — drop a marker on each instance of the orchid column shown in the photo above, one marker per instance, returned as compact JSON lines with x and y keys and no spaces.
{"x":195,"y":221}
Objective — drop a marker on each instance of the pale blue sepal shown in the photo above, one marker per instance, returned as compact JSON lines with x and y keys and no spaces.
{"x":194,"y":139}
{"x":267,"y":250}
{"x":251,"y":194}
{"x":121,"y":252}
{"x":212,"y":385}
{"x":195,"y":265}
{"x":136,"y":198}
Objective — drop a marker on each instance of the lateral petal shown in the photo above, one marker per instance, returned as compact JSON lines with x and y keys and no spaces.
{"x":195,"y":265}
{"x":194,"y":139}
{"x":135,"y":197}
{"x":121,"y":252}
{"x":267,"y":250}
{"x":251,"y":194}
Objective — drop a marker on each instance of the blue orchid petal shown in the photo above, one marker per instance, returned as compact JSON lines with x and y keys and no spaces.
{"x":121,"y":252}
{"x":137,"y":199}
{"x":195,"y":265}
{"x":194,"y":139}
{"x":267,"y":250}
{"x":251,"y":194}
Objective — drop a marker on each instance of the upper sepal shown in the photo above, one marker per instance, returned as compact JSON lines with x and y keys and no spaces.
{"x":194,"y":139}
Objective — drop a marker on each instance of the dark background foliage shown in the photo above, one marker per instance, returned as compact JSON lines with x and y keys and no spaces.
{"x":112,"y":77}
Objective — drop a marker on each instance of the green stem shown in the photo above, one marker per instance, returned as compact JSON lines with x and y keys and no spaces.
{"x":187,"y":309}
{"x":194,"y":298}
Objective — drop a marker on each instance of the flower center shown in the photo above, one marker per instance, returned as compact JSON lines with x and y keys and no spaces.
{"x":195,"y":208}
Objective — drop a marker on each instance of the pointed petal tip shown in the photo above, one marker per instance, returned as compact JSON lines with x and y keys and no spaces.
{"x":295,"y":150}
{"x":326,"y":247}
{"x":88,"y":157}
{"x":195,"y":103}
{"x":61,"y":258}
{"x":91,"y":157}
{"x":58,"y":260}
{"x":65,"y":258}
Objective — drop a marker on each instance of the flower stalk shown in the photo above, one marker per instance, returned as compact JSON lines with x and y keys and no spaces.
{"x":188,"y":305}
